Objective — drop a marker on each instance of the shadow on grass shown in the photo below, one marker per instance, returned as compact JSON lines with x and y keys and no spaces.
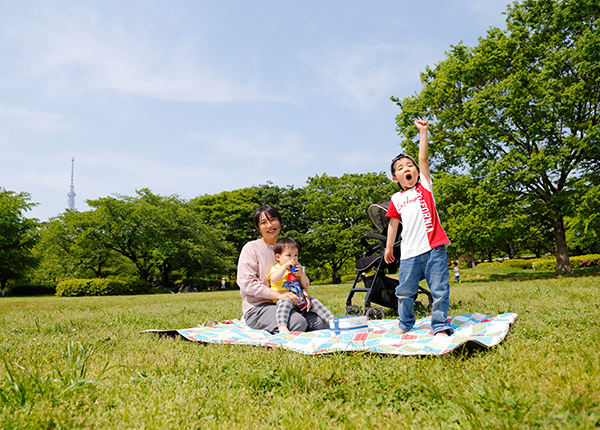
{"x":530,"y":275}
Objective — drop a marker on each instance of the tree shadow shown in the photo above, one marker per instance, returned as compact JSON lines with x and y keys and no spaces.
{"x":520,"y":276}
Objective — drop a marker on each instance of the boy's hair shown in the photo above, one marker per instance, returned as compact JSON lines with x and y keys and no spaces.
{"x":270,"y":212}
{"x":400,"y":157}
{"x":284,"y":243}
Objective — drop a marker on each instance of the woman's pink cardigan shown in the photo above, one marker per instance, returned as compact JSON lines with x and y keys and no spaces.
{"x":256,"y":259}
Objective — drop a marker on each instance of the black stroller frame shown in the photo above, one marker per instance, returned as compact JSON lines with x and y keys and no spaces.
{"x":379,"y":288}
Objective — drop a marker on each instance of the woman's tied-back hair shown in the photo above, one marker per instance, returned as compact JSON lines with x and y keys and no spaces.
{"x":269,"y":211}
{"x":285,"y":243}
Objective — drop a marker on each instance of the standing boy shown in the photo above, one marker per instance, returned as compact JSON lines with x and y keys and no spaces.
{"x":423,"y":247}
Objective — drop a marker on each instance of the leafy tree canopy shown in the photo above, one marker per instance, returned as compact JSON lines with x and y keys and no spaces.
{"x":337,"y":208}
{"x":521,"y":109}
{"x":156,"y":232}
{"x":18,"y":235}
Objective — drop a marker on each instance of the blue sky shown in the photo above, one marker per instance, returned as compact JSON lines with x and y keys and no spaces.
{"x":196,"y":97}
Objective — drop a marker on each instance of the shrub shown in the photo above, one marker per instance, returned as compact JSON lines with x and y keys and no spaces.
{"x":577,"y":262}
{"x":517,"y":262}
{"x":100,"y":287}
{"x":543,"y":264}
{"x":487,"y":264}
{"x":583,"y":261}
{"x":31,"y":290}
{"x":72,"y":287}
{"x":208,"y":284}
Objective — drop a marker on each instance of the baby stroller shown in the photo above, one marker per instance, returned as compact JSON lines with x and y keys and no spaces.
{"x":379,"y":289}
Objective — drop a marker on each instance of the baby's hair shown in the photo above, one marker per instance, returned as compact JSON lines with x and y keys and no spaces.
{"x":284,"y":243}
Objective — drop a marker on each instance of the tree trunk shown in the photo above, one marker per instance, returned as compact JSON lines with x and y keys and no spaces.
{"x":165,"y":271}
{"x":164,"y":279}
{"x":334,"y":275}
{"x":98,"y":271}
{"x":472,"y":255}
{"x":143,"y":274}
{"x":563,"y":265}
{"x":510,"y":249}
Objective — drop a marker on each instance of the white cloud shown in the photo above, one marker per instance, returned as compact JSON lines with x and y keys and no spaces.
{"x":34,"y":119}
{"x":77,"y":51}
{"x":260,"y":149}
{"x":367,"y":75}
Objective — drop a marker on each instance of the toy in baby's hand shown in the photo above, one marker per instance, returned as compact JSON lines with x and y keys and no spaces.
{"x":293,"y":285}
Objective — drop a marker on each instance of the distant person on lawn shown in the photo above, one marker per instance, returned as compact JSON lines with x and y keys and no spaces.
{"x":456,"y":272}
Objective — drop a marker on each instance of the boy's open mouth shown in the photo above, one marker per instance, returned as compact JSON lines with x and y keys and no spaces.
{"x":409,"y":177}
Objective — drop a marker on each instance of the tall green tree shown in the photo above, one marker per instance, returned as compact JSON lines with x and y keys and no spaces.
{"x":18,"y":235}
{"x":337,"y":209}
{"x":482,"y":221}
{"x":230,"y":213}
{"x":67,"y":248}
{"x":463,"y":209}
{"x":158,"y":233}
{"x":583,"y":227}
{"x":520,"y":110}
{"x":291,"y":203}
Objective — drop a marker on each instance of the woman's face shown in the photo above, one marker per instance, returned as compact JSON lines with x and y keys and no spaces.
{"x":269,"y":228}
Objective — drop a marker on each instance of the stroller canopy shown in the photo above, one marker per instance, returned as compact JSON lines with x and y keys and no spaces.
{"x":377,"y":213}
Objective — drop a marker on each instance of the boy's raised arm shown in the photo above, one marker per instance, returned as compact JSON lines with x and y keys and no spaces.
{"x":423,"y":149}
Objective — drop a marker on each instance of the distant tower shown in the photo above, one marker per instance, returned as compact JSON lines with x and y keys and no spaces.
{"x":71,"y":194}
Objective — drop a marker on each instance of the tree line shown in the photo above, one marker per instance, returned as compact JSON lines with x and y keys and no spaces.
{"x":514,"y":151}
{"x":520,"y":113}
{"x":168,"y":240}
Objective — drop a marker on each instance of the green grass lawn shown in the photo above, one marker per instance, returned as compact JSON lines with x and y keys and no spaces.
{"x":82,"y":363}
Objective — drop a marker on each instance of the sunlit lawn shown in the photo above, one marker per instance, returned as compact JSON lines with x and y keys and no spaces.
{"x":82,"y":363}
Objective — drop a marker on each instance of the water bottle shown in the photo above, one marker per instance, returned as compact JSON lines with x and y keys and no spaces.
{"x":294,"y":286}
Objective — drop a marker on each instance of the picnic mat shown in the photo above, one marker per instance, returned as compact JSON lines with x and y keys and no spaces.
{"x":475,"y":331}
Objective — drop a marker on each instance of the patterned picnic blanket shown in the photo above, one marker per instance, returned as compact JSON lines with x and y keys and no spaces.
{"x":473,"y":331}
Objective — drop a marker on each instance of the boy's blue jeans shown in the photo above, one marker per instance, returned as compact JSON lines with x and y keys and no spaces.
{"x":433,"y":267}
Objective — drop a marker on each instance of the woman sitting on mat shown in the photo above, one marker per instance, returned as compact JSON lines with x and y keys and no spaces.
{"x":256,"y":259}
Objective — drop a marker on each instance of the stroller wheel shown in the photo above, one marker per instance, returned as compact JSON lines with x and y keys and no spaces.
{"x":353,"y":310}
{"x":428,"y":298}
{"x":374,"y":313}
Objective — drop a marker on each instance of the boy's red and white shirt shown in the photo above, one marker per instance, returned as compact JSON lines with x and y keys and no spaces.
{"x":421,"y":227}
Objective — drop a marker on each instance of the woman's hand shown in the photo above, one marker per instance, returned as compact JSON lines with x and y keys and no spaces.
{"x":289,"y":295}
{"x":276,"y":295}
{"x":307,"y":305}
